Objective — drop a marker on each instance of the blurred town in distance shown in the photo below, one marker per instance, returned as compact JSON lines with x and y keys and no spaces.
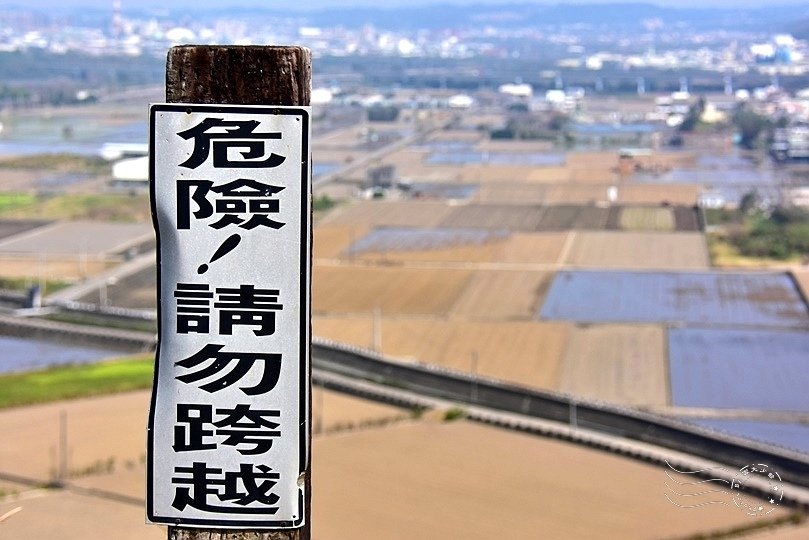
{"x":607,"y":204}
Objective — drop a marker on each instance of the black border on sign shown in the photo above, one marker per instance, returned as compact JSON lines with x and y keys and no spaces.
{"x":305,"y":280}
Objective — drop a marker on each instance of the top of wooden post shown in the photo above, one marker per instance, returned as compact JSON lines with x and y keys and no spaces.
{"x":239,"y":75}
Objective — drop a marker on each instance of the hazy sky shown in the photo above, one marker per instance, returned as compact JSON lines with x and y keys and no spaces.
{"x":314,"y":4}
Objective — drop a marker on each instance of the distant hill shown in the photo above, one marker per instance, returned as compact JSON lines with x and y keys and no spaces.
{"x":619,"y":15}
{"x":800,"y":29}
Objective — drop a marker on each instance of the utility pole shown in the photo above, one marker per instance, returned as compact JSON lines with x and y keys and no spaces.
{"x":255,"y":75}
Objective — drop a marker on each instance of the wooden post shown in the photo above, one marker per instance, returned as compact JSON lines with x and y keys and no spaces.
{"x":232,"y":75}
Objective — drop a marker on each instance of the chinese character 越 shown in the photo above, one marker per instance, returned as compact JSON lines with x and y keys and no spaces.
{"x":250,"y":485}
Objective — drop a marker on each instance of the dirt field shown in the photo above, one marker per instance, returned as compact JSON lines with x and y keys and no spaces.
{"x":686,"y":218}
{"x":330,"y":241}
{"x":527,"y":353}
{"x":611,"y":249}
{"x":542,"y":248}
{"x":511,"y":193}
{"x":802,"y":277}
{"x":618,"y":364}
{"x":60,"y":268}
{"x":502,"y":296}
{"x":591,"y":160}
{"x":100,"y":429}
{"x":393,"y":290}
{"x":578,"y":194}
{"x":646,"y":218}
{"x":495,"y":216}
{"x":686,"y":194}
{"x":78,"y":237}
{"x":115,"y":427}
{"x":485,"y":252}
{"x":542,"y":175}
{"x":469,"y":481}
{"x":566,"y":217}
{"x":412,"y":479}
{"x":593,"y":175}
{"x":390,"y":213}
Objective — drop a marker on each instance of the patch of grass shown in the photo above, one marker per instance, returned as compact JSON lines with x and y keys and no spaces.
{"x":101,"y":207}
{"x":454,"y":413}
{"x":322,"y":203}
{"x":97,"y":319}
{"x":12,"y":201}
{"x":720,"y":216}
{"x":59,"y":162}
{"x":100,"y":466}
{"x":67,"y":382}
{"x":24,"y":283}
{"x":726,"y":255}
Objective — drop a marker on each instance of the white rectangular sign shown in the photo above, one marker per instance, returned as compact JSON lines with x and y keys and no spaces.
{"x":228,"y":425}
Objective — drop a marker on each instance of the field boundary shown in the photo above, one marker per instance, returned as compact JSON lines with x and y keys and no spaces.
{"x":631,"y":426}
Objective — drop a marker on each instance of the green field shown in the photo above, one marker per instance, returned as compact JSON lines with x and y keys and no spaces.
{"x":76,"y":381}
{"x":12,"y":201}
{"x":101,"y":207}
{"x":59,"y":162}
{"x":647,"y":219}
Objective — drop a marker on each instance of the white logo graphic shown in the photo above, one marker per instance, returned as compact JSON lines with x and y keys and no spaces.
{"x":755,"y":489}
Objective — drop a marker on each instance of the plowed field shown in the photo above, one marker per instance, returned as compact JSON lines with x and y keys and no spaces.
{"x":494,"y":216}
{"x":593,"y":175}
{"x":685,"y":194}
{"x":357,"y":289}
{"x":499,"y":193}
{"x":578,"y":194}
{"x":330,"y":241}
{"x":649,"y":218}
{"x":540,"y":248}
{"x":520,"y":352}
{"x":567,"y":217}
{"x":618,"y":364}
{"x":502,"y":296}
{"x":609,"y":249}
{"x":463,"y":480}
{"x":485,"y":252}
{"x":391,"y":213}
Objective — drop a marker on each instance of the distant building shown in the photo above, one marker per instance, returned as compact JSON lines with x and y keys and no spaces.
{"x":790,"y":143}
{"x":516,"y":90}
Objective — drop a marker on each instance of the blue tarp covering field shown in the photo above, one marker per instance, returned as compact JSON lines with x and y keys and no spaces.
{"x":739,"y":369}
{"x":694,"y":298}
{"x":404,"y":239}
{"x":794,"y":436}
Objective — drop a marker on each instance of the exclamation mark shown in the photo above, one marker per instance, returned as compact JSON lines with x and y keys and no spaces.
{"x":227,"y":246}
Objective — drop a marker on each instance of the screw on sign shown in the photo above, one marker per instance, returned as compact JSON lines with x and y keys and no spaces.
{"x":229,"y":426}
